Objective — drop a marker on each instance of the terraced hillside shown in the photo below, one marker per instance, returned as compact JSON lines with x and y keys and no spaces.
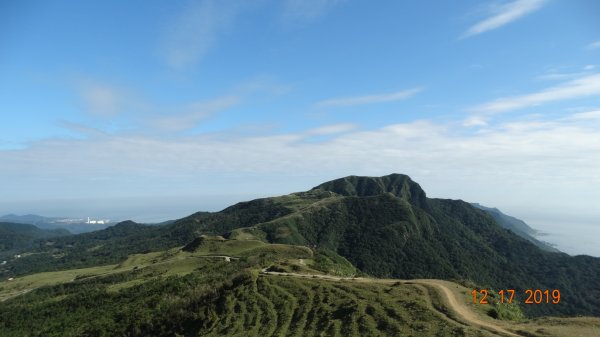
{"x":289,"y":306}
{"x":379,"y":226}
{"x":245,"y":287}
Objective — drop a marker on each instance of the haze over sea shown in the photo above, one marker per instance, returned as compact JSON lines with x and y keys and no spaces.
{"x":571,"y":237}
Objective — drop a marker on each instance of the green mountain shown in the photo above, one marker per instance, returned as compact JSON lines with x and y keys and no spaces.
{"x":517,"y":226}
{"x":383,"y":226}
{"x":17,"y":236}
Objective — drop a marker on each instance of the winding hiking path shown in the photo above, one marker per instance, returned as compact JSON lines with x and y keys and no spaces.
{"x":460,"y":309}
{"x":465,"y":314}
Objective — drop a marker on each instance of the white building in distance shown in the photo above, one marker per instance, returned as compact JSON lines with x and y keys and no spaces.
{"x":96,"y":222}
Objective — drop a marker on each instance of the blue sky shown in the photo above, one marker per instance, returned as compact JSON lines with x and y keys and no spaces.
{"x":172,"y":107}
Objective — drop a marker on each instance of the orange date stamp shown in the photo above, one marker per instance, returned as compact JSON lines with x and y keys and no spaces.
{"x":533,"y":296}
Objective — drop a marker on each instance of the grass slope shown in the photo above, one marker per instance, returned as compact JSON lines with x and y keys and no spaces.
{"x":196,"y":293}
{"x":383,"y":226}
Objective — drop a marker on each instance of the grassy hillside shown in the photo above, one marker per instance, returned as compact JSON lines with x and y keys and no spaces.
{"x":384,"y":227}
{"x":379,"y":227}
{"x":197,"y":292}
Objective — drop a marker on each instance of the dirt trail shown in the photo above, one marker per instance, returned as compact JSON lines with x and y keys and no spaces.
{"x":465,"y":314}
{"x":461,"y":309}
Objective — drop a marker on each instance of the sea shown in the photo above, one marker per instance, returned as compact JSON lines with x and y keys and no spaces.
{"x":573,"y":238}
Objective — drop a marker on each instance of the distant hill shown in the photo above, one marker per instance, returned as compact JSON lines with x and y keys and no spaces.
{"x":16,"y":236}
{"x":44,"y":222}
{"x":384,"y":226}
{"x":517,"y":226}
{"x":31,"y":219}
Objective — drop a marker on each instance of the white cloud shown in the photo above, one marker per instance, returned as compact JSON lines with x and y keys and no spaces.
{"x":562,"y":74}
{"x":581,"y":87}
{"x":593,"y":115}
{"x":331,"y":129}
{"x":503,"y":15}
{"x":196,"y":30}
{"x":189,"y":116}
{"x":528,"y":152}
{"x":515,"y":166}
{"x":370,"y":99}
{"x":82,"y":129}
{"x":307,"y":9}
{"x":475,"y":121}
{"x":107,"y":100}
{"x":100,"y":99}
{"x":594,"y":45}
{"x":129,"y":110}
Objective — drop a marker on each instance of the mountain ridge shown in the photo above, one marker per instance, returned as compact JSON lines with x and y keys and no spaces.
{"x":385,"y":226}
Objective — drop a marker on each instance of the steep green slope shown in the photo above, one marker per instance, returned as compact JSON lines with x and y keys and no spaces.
{"x":387,"y":228}
{"x":517,"y":226}
{"x":399,"y":185}
{"x":384,"y":226}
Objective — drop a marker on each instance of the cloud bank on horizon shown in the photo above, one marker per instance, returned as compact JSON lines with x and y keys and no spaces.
{"x":200,"y":97}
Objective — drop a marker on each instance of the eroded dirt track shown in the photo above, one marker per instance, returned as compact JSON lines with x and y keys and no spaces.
{"x":460,"y":309}
{"x":464,"y":314}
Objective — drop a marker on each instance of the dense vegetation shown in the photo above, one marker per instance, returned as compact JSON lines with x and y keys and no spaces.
{"x":107,"y":246}
{"x":211,"y":297}
{"x":15,"y":236}
{"x":380,"y":229}
{"x":115,"y":243}
{"x":385,"y":227}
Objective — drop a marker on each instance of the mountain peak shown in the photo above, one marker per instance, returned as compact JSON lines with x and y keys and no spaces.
{"x":399,"y":185}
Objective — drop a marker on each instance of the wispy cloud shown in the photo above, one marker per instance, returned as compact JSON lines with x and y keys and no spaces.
{"x":503,"y":15}
{"x":581,"y":87}
{"x":594,"y":45}
{"x":307,"y":10}
{"x":125,"y":109}
{"x":190,"y":115}
{"x":82,"y":129}
{"x":196,"y":30}
{"x":331,"y":129}
{"x":562,"y":74}
{"x":100,"y":99}
{"x":593,"y":115}
{"x":475,"y":120}
{"x":370,"y":99}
